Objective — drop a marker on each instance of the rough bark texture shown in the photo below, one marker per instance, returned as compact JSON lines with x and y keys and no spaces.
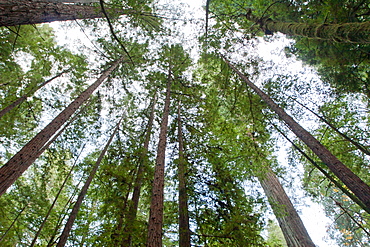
{"x":21,"y":99}
{"x":156,"y":206}
{"x":295,"y":233}
{"x":139,"y":178}
{"x":353,"y":182}
{"x":14,"y":168}
{"x":354,"y":32}
{"x":81,"y":196}
{"x":184,"y":231}
{"x":21,"y":12}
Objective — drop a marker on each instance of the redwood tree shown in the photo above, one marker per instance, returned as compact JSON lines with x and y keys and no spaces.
{"x":19,"y":163}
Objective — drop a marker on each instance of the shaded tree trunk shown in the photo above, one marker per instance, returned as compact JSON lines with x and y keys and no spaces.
{"x":21,"y":99}
{"x":81,"y":196}
{"x":55,"y":200}
{"x":295,"y":233}
{"x":354,"y":32}
{"x":184,"y":231}
{"x":139,"y":177}
{"x":14,"y":168}
{"x":156,"y":205}
{"x":353,"y":182}
{"x":21,"y":12}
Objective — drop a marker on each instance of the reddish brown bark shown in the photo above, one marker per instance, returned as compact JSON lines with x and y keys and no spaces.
{"x":295,"y":233}
{"x":14,"y":168}
{"x":353,"y":182}
{"x":139,"y":178}
{"x":156,"y":206}
{"x":184,"y":230}
{"x":81,"y":196}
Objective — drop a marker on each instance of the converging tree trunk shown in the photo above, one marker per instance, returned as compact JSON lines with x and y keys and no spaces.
{"x":294,"y":231}
{"x":81,"y":196}
{"x":354,"y":32}
{"x":184,"y":230}
{"x":139,"y":178}
{"x":156,"y":205}
{"x":15,"y":167}
{"x":353,"y":182}
{"x":21,"y":99}
{"x":21,"y":12}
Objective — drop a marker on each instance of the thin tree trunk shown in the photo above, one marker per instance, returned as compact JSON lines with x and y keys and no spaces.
{"x":55,"y":200}
{"x":139,"y":178}
{"x":14,"y":168}
{"x":295,"y":233}
{"x":12,"y":224}
{"x":156,"y":205}
{"x":81,"y":196}
{"x":21,"y":12}
{"x":356,"y":144}
{"x":354,"y":32}
{"x":21,"y":99}
{"x":353,"y":182}
{"x":184,"y":230}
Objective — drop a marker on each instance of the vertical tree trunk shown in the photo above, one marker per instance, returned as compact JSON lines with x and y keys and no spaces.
{"x":156,"y":206}
{"x":25,"y":96}
{"x":21,"y":12}
{"x":81,"y":196}
{"x":14,"y":168}
{"x":353,"y":182}
{"x":139,"y":178}
{"x":295,"y":233}
{"x":184,"y":230}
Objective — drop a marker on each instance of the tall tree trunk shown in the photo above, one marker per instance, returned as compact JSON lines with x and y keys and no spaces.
{"x":184,"y":230}
{"x":55,"y":200}
{"x":332,"y":179}
{"x":156,"y":206}
{"x":21,"y":99}
{"x":81,"y":196}
{"x":14,"y":168}
{"x":21,"y":12}
{"x":356,"y":144}
{"x":139,"y":178}
{"x":353,"y":182}
{"x":354,"y":32}
{"x":295,"y":233}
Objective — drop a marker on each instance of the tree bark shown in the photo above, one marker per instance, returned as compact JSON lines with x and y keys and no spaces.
{"x":21,"y":99}
{"x":19,"y":163}
{"x":353,"y":182}
{"x":139,"y":178}
{"x":354,"y":32}
{"x":295,"y":233}
{"x":184,"y":230}
{"x":21,"y":12}
{"x":81,"y":196}
{"x":156,"y":206}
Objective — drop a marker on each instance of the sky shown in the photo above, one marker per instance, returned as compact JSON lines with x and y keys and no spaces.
{"x":311,"y":213}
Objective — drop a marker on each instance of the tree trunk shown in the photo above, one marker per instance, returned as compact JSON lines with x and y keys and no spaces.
{"x":139,"y":178}
{"x":156,"y":206}
{"x":21,"y":12}
{"x":353,"y":182}
{"x":295,"y":233}
{"x":14,"y":168}
{"x":81,"y":196}
{"x":354,"y":32}
{"x":21,"y":99}
{"x":55,"y":200}
{"x":184,"y":230}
